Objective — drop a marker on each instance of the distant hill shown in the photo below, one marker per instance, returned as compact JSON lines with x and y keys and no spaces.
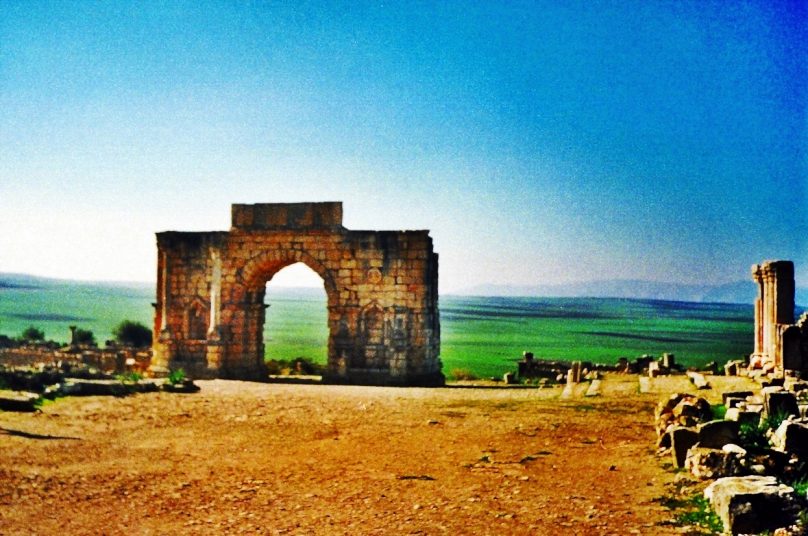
{"x":31,"y":282}
{"x":737,"y":292}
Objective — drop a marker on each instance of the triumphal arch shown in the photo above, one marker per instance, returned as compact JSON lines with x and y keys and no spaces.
{"x":382,"y":290}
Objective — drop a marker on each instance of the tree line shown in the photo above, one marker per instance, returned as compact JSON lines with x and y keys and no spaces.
{"x":126,"y":333}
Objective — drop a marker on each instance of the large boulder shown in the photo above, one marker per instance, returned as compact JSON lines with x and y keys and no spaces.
{"x":752,"y":504}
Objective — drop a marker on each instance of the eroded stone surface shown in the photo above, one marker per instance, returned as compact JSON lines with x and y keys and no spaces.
{"x":752,"y":504}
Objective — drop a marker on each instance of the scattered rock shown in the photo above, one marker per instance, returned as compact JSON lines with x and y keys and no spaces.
{"x":681,"y":409}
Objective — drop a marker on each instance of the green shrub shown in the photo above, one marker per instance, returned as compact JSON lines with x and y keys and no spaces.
{"x":719,"y":411}
{"x":129,"y":377}
{"x":801,"y":487}
{"x":774,"y":421}
{"x":32,"y":334}
{"x":84,"y":337}
{"x":132,"y":333}
{"x":176,"y":377}
{"x":752,"y":437}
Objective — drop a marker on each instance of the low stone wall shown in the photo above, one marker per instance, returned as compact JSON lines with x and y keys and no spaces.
{"x":112,"y":360}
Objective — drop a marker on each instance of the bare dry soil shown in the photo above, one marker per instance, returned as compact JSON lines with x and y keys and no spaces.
{"x":255,"y":458}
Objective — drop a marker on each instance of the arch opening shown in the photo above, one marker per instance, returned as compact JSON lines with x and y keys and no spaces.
{"x":295,"y":330}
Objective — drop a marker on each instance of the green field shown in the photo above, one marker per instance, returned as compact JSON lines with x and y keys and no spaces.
{"x":485,"y":335}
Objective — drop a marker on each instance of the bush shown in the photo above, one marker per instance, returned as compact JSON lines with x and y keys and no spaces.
{"x":84,"y":337}
{"x":176,"y":377}
{"x":753,"y":438}
{"x":32,"y":334}
{"x":129,"y":377}
{"x":131,"y":333}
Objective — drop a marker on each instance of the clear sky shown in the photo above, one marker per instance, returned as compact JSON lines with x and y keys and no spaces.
{"x":540,"y":142}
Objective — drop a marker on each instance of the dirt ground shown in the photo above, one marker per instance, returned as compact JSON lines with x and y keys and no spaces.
{"x":242,"y":457}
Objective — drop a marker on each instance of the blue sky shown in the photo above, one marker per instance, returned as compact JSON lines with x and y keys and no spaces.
{"x":539,"y":142}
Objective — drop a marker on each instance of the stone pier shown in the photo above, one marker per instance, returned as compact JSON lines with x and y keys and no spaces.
{"x":778,"y":343}
{"x":382,"y":290}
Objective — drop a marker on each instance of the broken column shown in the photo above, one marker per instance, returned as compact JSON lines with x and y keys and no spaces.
{"x":774,"y":313}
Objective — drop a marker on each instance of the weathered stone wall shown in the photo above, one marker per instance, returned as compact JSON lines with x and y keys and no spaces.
{"x":381,"y":288}
{"x":778,"y":341}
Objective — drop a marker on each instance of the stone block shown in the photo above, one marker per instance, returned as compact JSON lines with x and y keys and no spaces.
{"x":18,"y":401}
{"x":76,"y":387}
{"x":699,"y":380}
{"x":752,"y":504}
{"x":743,"y":416}
{"x":791,"y":437}
{"x":716,"y":434}
{"x":681,"y":440}
{"x":780,"y":402}
{"x":705,"y":463}
{"x":593,"y":389}
{"x":740,"y":395}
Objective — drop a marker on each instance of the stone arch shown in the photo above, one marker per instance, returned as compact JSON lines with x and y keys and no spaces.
{"x":381,"y":289}
{"x":262,"y":267}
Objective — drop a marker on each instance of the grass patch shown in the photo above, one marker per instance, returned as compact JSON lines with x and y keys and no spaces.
{"x":693,"y":512}
{"x":753,"y":438}
{"x":698,"y":512}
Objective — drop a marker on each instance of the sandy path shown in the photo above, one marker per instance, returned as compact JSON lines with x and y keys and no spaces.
{"x":308,"y":459}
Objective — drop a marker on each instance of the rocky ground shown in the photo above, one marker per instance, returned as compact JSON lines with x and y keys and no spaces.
{"x":243,"y":457}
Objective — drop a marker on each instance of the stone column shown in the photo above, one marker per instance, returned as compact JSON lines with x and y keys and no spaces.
{"x":776,"y":308}
{"x":757,"y":276}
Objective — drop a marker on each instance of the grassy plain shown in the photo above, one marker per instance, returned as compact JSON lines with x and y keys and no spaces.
{"x":484,"y":335}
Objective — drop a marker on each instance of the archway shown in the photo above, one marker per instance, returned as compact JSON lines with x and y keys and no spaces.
{"x":381,"y":290}
{"x":295,"y":331}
